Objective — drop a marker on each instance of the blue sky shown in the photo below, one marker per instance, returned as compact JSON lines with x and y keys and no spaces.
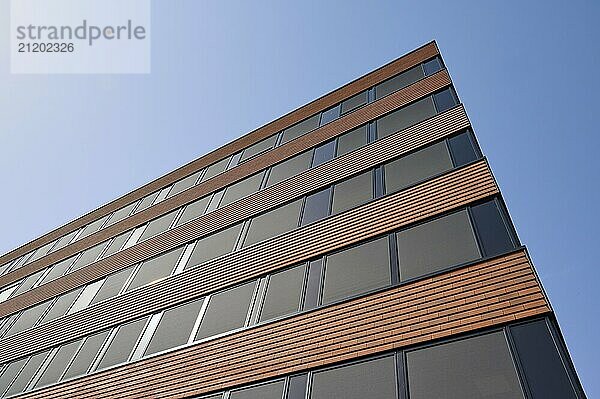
{"x":527,"y":73}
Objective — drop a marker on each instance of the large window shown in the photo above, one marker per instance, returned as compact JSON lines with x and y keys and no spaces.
{"x":272,"y":390}
{"x":405,"y":117}
{"x":399,"y":81}
{"x":284,"y":293}
{"x":88,"y":256}
{"x":113,"y":285}
{"x":32,"y":365}
{"x":242,"y":189}
{"x":194,"y":210}
{"x":352,"y":140}
{"x":352,"y":192}
{"x":155,"y":269}
{"x":272,"y":223}
{"x":159,"y":225}
{"x":57,"y":365}
{"x":291,"y":167}
{"x":184,"y":184}
{"x":301,"y":128}
{"x":214,"y":246}
{"x":28,"y":318}
{"x":258,"y":148}
{"x":122,"y":344}
{"x":86,"y":355}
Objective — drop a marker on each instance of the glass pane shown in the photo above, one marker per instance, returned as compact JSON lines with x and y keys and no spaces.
{"x":112,"y":285}
{"x":258,"y":148}
{"x":432,"y":66}
{"x":416,"y":167}
{"x":435,"y":245}
{"x":354,"y":102}
{"x":85,"y":356}
{"x":462,"y":149}
{"x":58,"y":364}
{"x":92,"y":227}
{"x":399,"y":82}
{"x":65,"y":240}
{"x":175,"y":327}
{"x":146,"y":202}
{"x":28,"y":318}
{"x":122,"y":344}
{"x":316,"y":206}
{"x":493,"y":234}
{"x":357,"y":270}
{"x":289,"y":168}
{"x":215,"y":169}
{"x":226,"y":311}
{"x":445,"y":100}
{"x":29,"y":283}
{"x":301,"y":128}
{"x":242,"y":189}
{"x":284,"y":293}
{"x":373,"y":379}
{"x":213,"y":246}
{"x":26,"y":374}
{"x":313,"y":284}
{"x":194,"y":210}
{"x":184,"y":184}
{"x":41,"y":252}
{"x":62,"y":304}
{"x":271,"y":390}
{"x":20,"y":261}
{"x":116,"y":245}
{"x":352,"y":140}
{"x":275,"y":222}
{"x":7,"y":323}
{"x":297,"y":387}
{"x":542,"y":364}
{"x":330,"y":115}
{"x":352,"y":192}
{"x":155,"y":269}
{"x":159,"y":225}
{"x":84,"y":300}
{"x":121,"y":214}
{"x":405,"y":117}
{"x":10,"y":373}
{"x":324,"y":153}
{"x":88,"y":256}
{"x":7,"y":292}
{"x":478,"y":367}
{"x":57,"y":270}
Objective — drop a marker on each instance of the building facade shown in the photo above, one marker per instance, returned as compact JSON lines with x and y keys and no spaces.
{"x":357,"y":247}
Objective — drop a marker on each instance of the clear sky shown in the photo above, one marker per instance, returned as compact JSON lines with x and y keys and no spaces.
{"x":526,"y":71}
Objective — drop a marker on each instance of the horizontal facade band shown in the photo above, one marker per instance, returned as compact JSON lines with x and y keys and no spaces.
{"x":485,"y":294}
{"x":339,"y":168}
{"x":444,"y":193}
{"x":379,"y":75}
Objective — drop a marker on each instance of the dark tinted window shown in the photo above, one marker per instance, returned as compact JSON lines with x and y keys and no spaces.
{"x":85,"y":356}
{"x":289,"y":168}
{"x":316,"y":206}
{"x":301,"y":128}
{"x":175,"y":327}
{"x":184,"y":184}
{"x":121,"y":214}
{"x":405,"y":117}
{"x":445,"y":100}
{"x":352,"y":192}
{"x":283,"y":293}
{"x":213,"y":246}
{"x":62,"y":304}
{"x":258,"y":148}
{"x":435,"y":245}
{"x":544,"y":369}
{"x":324,"y":153}
{"x":88,"y":256}
{"x":493,"y":234}
{"x":58,"y":364}
{"x":354,"y":102}
{"x":194,"y":210}
{"x":112,"y":285}
{"x":357,"y":270}
{"x":20,"y":383}
{"x":275,"y":222}
{"x":159,"y":225}
{"x":398,"y":82}
{"x":271,"y":390}
{"x":122,"y":344}
{"x":373,"y":379}
{"x":155,"y":269}
{"x":242,"y":189}
{"x":432,"y":66}
{"x":417,"y":166}
{"x":478,"y":367}
{"x":463,"y":150}
{"x":226,"y":311}
{"x":330,"y":115}
{"x":352,"y":140}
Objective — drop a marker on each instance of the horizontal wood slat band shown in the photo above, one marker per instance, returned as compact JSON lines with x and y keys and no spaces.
{"x":482,"y":295}
{"x":449,"y":191}
{"x":401,"y":64}
{"x":347,"y":165}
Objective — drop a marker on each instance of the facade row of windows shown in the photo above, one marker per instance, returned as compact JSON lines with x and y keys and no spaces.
{"x":343,"y":144}
{"x":433,"y":246}
{"x":393,"y":84}
{"x":391,"y":177}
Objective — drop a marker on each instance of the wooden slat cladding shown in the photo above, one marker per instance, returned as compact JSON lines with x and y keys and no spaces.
{"x":383,"y":150}
{"x":447,"y":192}
{"x":490,"y":293}
{"x":401,"y":64}
{"x":333,"y":129}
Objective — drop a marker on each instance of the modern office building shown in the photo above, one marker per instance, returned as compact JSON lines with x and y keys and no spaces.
{"x":357,"y":247}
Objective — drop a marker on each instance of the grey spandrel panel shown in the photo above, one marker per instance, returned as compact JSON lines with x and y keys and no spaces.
{"x":121,"y":214}
{"x":215,"y":169}
{"x":477,"y":367}
{"x":159,"y":225}
{"x":399,"y":81}
{"x":27,"y":373}
{"x":116,"y":244}
{"x":213,"y":246}
{"x":85,"y":356}
{"x":405,"y":117}
{"x":435,"y":245}
{"x":352,"y":140}
{"x":301,"y":128}
{"x":28,"y":318}
{"x":194,"y":210}
{"x":10,"y":373}
{"x":112,"y":285}
{"x":316,"y":206}
{"x":258,"y":148}
{"x":323,"y":153}
{"x":146,"y":202}
{"x":175,"y":327}
{"x":354,"y":102}
{"x":291,"y":167}
{"x":64,"y":241}
{"x":284,"y":293}
{"x":418,"y":166}
{"x":357,"y":270}
{"x":29,"y":283}
{"x":88,"y":256}
{"x":272,"y":223}
{"x":155,"y":269}
{"x":373,"y":379}
{"x":122,"y":344}
{"x":242,"y":189}
{"x":226,"y":311}
{"x":61,"y":306}
{"x":184,"y":184}
{"x":352,"y":192}
{"x":57,"y":270}
{"x":58,"y":364}
{"x":92,"y":227}
{"x":271,"y":390}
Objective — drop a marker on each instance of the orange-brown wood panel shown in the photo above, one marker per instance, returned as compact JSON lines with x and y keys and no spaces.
{"x":450,"y":191}
{"x":482,"y":295}
{"x":401,"y":64}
